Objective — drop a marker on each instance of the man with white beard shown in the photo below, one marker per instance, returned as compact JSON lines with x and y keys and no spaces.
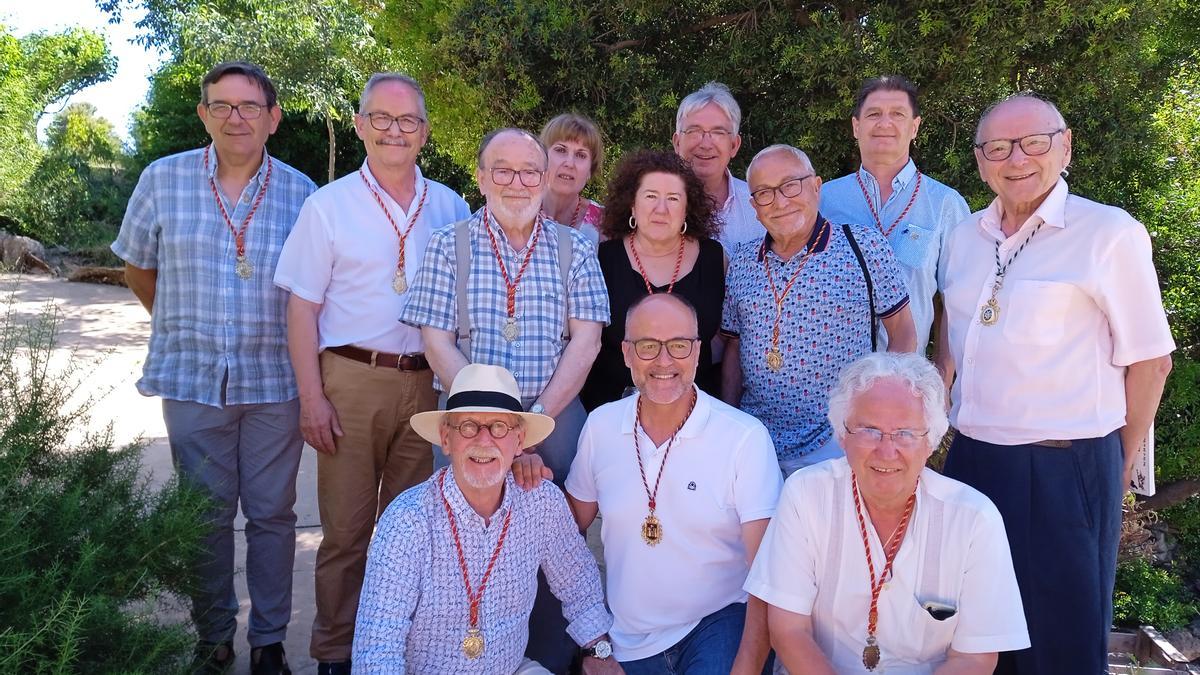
{"x":451,"y":574}
{"x":506,"y":287}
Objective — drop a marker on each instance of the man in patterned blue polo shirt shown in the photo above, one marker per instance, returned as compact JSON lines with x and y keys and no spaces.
{"x":201,"y":238}
{"x":912,"y":210}
{"x":802,"y":303}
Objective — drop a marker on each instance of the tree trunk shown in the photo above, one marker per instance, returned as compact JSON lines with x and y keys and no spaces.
{"x":1170,"y":495}
{"x":332,"y":145}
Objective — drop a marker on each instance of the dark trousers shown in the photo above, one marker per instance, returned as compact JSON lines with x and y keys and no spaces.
{"x":1062,"y":513}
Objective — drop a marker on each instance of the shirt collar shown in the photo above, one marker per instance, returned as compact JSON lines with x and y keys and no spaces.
{"x":212,"y":163}
{"x":818,"y":240}
{"x":417,"y":178}
{"x":458,"y":503}
{"x":902,"y":179}
{"x":1052,"y":212}
{"x":691,"y":428}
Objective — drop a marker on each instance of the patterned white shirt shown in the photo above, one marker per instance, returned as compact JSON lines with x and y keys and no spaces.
{"x":540,"y":311}
{"x":413,"y":611}
{"x":215,"y":339}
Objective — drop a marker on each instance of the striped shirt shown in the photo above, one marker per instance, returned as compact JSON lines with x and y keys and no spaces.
{"x":413,"y":612}
{"x":215,"y":338}
{"x":540,"y":311}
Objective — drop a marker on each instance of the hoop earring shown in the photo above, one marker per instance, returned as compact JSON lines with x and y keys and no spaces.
{"x":684,"y":230}
{"x":632,"y":223}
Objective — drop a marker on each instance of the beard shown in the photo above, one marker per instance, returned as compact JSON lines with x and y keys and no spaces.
{"x":483,"y":476}
{"x":514,"y":216}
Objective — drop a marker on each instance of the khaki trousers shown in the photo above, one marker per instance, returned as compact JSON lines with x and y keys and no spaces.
{"x":378,"y":457}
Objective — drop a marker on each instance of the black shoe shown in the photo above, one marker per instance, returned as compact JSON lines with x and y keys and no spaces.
{"x":212,"y":658}
{"x":334,"y":668}
{"x":269,"y":660}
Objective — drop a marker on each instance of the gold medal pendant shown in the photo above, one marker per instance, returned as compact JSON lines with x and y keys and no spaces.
{"x":243,"y":268}
{"x":472,"y":644}
{"x":652,"y":530}
{"x":399,"y":283}
{"x":871,"y":654}
{"x":774,"y":359}
{"x":989,"y":314}
{"x":510,"y":331}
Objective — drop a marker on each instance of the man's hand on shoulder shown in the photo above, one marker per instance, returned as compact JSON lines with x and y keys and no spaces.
{"x":529,"y":470}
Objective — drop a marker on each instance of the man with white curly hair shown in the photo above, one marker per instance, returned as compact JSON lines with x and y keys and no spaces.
{"x":875,"y":562}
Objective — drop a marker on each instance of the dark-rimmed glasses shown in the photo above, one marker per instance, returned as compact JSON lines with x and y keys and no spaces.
{"x":470,"y":428}
{"x":790,"y":188}
{"x":529,"y":177}
{"x":905,"y":439}
{"x":381,"y":121}
{"x":1000,"y":149}
{"x":648,"y":349}
{"x":247,"y":111}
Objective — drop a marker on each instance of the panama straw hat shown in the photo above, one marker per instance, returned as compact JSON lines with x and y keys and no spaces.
{"x":480,"y":388}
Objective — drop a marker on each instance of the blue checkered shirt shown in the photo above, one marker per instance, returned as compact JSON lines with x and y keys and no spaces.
{"x":413,"y":611}
{"x":215,"y":339}
{"x":540,"y":313}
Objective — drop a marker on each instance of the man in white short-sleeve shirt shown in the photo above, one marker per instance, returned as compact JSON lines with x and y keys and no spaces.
{"x":950,"y":602}
{"x":1056,"y":329}
{"x":362,"y":374}
{"x":685,"y":485}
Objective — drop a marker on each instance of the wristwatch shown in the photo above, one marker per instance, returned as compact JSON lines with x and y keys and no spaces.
{"x":601,"y":650}
{"x":537,"y":408}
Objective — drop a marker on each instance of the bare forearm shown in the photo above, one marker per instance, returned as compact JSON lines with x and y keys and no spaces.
{"x":902,"y":332}
{"x":756,"y":643}
{"x":573,"y":367}
{"x":142,"y":282}
{"x":943,"y":358}
{"x":800,"y":654}
{"x":441,"y":349}
{"x":1144,"y":383}
{"x":731,"y":373}
{"x":302,"y":345}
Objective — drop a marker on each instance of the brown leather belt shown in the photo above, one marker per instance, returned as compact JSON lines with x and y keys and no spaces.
{"x":1053,"y":444}
{"x":410,"y":362}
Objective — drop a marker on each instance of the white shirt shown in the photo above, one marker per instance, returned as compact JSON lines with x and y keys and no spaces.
{"x":1079,"y":304}
{"x":741,"y":222}
{"x":720,"y":474}
{"x":342,"y":254}
{"x":955,"y":553}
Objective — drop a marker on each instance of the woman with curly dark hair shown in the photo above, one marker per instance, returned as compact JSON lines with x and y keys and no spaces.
{"x":658,"y":223}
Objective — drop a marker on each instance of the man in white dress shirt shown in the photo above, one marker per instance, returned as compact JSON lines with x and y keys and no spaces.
{"x":348,"y":263}
{"x":874,"y":562}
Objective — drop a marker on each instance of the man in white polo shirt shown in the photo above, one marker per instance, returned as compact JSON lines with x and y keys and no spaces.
{"x":348,"y":264}
{"x":686,"y":485}
{"x":1061,"y":346}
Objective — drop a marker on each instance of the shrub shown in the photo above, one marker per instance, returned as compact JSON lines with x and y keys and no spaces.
{"x":83,"y":539}
{"x":1149,"y":595}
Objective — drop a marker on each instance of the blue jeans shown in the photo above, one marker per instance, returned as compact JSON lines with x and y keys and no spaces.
{"x":708,"y":650}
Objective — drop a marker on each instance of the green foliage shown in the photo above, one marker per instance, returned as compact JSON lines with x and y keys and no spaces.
{"x":1148,"y":595}
{"x":1177,"y":432}
{"x":82,"y":537}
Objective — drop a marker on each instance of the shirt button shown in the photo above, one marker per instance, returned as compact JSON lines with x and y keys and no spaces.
{"x":970,"y":360}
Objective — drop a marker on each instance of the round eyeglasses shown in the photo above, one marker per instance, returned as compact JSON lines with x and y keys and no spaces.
{"x":470,"y":428}
{"x":905,"y":439}
{"x":1000,"y":149}
{"x":790,"y":188}
{"x":247,"y":111}
{"x":648,"y":349}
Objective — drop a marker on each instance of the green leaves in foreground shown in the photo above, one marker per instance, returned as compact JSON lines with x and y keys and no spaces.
{"x":86,"y":547}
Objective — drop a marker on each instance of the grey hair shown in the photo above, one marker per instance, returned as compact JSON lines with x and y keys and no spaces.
{"x":780,"y":147}
{"x":1020,"y":96}
{"x":495,"y":133}
{"x":919,"y":374}
{"x":379,"y":78}
{"x":713,"y":92}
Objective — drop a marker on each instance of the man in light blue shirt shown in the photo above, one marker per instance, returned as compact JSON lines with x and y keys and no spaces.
{"x":913,"y":210}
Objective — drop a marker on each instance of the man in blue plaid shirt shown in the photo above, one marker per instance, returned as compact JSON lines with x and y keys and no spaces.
{"x":201,"y":238}
{"x":516,"y":306}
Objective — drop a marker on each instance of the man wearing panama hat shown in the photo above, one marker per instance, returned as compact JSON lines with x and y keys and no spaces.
{"x":452,"y":571}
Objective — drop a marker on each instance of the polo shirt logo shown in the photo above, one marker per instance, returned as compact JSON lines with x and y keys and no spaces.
{"x":692,"y":486}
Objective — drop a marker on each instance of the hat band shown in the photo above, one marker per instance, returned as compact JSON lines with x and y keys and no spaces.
{"x":486,"y":399}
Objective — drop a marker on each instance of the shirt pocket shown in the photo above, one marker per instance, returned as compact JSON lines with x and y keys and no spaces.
{"x":1037,"y":311}
{"x":914,"y":245}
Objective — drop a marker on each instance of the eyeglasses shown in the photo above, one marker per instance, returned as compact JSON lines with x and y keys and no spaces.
{"x":791,"y":188}
{"x":381,"y":121}
{"x":247,"y":111}
{"x":905,"y":439}
{"x":648,"y":349}
{"x":718,"y":134}
{"x":470,"y":428}
{"x":1000,"y":149}
{"x":529,"y":177}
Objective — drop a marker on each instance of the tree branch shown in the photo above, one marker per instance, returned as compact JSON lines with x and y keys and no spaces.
{"x":1170,"y":495}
